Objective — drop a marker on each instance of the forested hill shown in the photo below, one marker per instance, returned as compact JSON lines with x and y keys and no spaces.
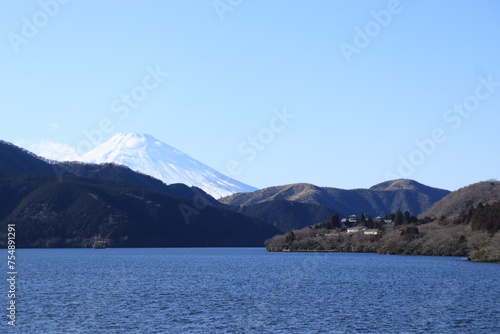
{"x":70,"y":204}
{"x":69,"y":211}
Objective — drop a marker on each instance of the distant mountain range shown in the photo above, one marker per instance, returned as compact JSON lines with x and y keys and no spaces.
{"x":36,"y":189}
{"x":315,"y":204}
{"x":70,"y":204}
{"x":148,"y":155}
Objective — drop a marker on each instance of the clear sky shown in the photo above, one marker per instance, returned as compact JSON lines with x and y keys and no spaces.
{"x":366,"y":90}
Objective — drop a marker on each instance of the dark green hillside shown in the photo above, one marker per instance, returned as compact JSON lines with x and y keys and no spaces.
{"x":49,"y":212}
{"x":287,"y":215}
{"x":114,"y":172}
{"x":18,"y":161}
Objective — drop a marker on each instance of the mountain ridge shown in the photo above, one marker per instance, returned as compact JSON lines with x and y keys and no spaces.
{"x":146,"y":154}
{"x":14,"y":159}
{"x":382,"y":199}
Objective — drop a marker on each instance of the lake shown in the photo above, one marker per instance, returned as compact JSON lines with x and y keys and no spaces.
{"x":249,"y":290}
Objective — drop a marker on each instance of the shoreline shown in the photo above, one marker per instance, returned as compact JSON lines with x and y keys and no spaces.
{"x":465,"y":259}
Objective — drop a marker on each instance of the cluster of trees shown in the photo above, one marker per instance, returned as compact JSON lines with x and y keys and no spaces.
{"x":398,"y":218}
{"x":402,"y":218}
{"x":369,"y":222}
{"x":333,"y":223}
{"x":483,"y":217}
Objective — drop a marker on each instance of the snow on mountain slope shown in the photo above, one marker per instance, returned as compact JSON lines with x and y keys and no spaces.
{"x":148,"y":155}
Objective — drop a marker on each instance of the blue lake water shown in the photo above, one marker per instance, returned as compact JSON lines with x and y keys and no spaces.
{"x":235,"y":290}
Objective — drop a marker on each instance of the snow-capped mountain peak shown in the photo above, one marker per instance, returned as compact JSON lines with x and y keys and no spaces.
{"x":146,"y":154}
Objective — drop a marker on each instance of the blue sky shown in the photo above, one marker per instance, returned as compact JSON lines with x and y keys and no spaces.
{"x":371,"y":87}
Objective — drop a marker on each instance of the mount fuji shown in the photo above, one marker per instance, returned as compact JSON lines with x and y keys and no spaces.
{"x":148,"y":155}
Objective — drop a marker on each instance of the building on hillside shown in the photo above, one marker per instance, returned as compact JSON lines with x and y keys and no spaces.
{"x":351,"y":220}
{"x":379,"y":219}
{"x":371,"y":232}
{"x":356,"y":229}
